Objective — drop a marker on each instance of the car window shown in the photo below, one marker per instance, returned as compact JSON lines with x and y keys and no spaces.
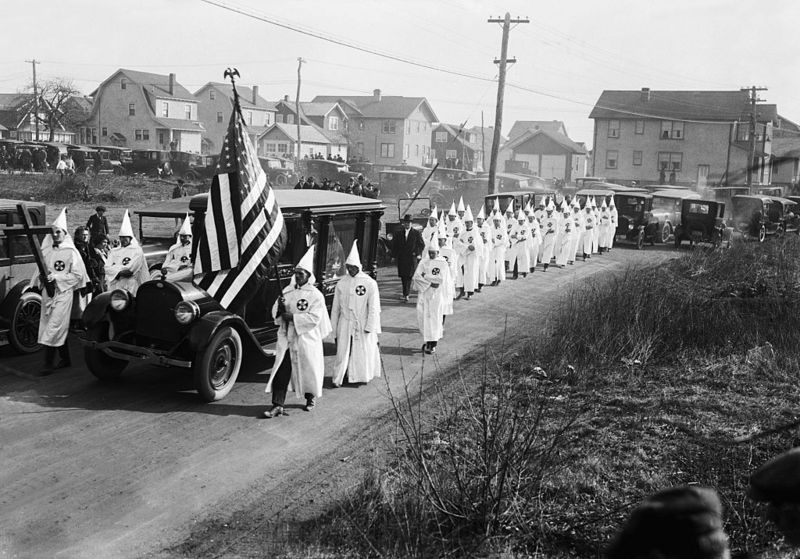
{"x":702,"y":209}
{"x":341,"y":233}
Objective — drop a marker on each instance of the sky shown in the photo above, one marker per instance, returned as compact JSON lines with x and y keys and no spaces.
{"x":566,"y":56}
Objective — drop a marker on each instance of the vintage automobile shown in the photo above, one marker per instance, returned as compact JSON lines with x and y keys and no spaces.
{"x":54,"y":152}
{"x":634,"y":210}
{"x":666,"y":211}
{"x":449,"y":178}
{"x":419,"y":209}
{"x":84,"y":159}
{"x":393,"y":183}
{"x":756,"y":217}
{"x":370,"y":171}
{"x":280,"y":172}
{"x":19,"y":309}
{"x":725,"y":194}
{"x":599,"y":194}
{"x":177,"y":324}
{"x":702,"y":221}
{"x":584,"y":182}
{"x":326,"y":169}
{"x":786,"y":212}
{"x":152,"y":163}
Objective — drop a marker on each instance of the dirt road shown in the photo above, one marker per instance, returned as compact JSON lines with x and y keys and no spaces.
{"x":124,"y":470}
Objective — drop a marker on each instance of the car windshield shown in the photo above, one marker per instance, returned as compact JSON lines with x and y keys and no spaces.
{"x":630,"y":205}
{"x":661,"y":204}
{"x":744,"y":208}
{"x":341,"y":233}
{"x":698,"y":208}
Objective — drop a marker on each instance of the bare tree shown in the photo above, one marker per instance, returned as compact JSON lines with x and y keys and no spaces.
{"x":54,"y":95}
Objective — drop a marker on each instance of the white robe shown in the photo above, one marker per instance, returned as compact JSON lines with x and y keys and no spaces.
{"x":577,"y":231}
{"x":614,"y":223}
{"x":535,"y":240}
{"x":179,"y":256}
{"x":69,"y":273}
{"x":485,"y":252}
{"x":596,"y":232}
{"x":302,"y":338}
{"x":431,"y":301}
{"x":565,"y":242}
{"x":519,"y":248}
{"x":588,"y":233}
{"x":605,"y":229}
{"x":430,"y":233}
{"x":130,"y":258}
{"x":497,"y":270}
{"x":449,"y":255}
{"x":549,"y":234}
{"x":356,"y":323}
{"x":470,"y":257}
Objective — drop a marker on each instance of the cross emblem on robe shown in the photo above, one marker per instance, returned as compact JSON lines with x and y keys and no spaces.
{"x":126,"y":261}
{"x":360,"y":290}
{"x":302,"y":305}
{"x":59,"y":265}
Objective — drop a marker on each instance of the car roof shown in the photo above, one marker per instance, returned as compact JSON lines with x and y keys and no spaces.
{"x":673,"y":193}
{"x":762,"y":197}
{"x":783,"y":200}
{"x":300,"y":200}
{"x":730,"y":188}
{"x":396,"y":172}
{"x":519,"y":192}
{"x":594,"y":192}
{"x":10,"y":204}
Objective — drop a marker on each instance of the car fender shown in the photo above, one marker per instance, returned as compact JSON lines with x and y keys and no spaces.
{"x":204,"y":329}
{"x":96,"y":310}
{"x":9,"y":304}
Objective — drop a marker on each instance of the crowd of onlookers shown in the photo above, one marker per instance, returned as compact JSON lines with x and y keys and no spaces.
{"x":25,"y":159}
{"x":357,"y":186}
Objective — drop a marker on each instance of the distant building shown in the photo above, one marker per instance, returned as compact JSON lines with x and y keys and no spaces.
{"x":280,"y":140}
{"x":786,"y":153}
{"x":456,"y":149}
{"x":522,"y":127}
{"x":17,"y":119}
{"x":388,"y":130}
{"x":141,"y":110}
{"x":549,"y":155}
{"x":215,"y":104}
{"x":680,"y":137}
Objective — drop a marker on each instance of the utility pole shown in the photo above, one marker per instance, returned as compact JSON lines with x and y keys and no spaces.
{"x":752,"y":166}
{"x":34,"y":62}
{"x":483,"y":144}
{"x":297,"y":111}
{"x":501,"y":86}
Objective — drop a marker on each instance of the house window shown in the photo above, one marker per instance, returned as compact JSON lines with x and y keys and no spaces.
{"x":132,"y":109}
{"x":441,"y":137}
{"x":123,"y":83}
{"x":670,"y":161}
{"x":289,"y":119}
{"x":671,"y":130}
{"x":611,"y":159}
{"x":417,"y":126}
{"x":219,"y":117}
{"x":637,"y":157}
{"x":333,"y":123}
{"x":249,"y":118}
{"x":187,"y":112}
{"x":104,"y":131}
{"x":161,"y":138}
{"x":406,"y":151}
{"x":613,"y":129}
{"x":450,"y":154}
{"x":408,"y":127}
{"x":267,"y":119}
{"x":165,"y":109}
{"x":146,"y":134}
{"x":272,"y":147}
{"x":138,"y":135}
{"x":360,"y":148}
{"x":283,"y":147}
{"x":640,"y":127}
{"x":389,"y":127}
{"x":211,"y":94}
{"x":361,"y":125}
{"x":387,"y":150}
{"x":416,"y":150}
{"x":742,"y":131}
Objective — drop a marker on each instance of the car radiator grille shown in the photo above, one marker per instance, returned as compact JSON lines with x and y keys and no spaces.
{"x":155,"y":313}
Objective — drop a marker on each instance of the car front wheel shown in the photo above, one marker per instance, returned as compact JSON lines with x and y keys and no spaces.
{"x":281,"y":180}
{"x":666,"y":231}
{"x":218,"y":365}
{"x":640,"y":239}
{"x":101,"y":365}
{"x":24,"y":332}
{"x":762,"y":234}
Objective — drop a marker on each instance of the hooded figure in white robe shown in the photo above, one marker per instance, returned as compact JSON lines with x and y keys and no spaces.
{"x":612,"y":209}
{"x":453,"y":220}
{"x":549,"y":234}
{"x":356,"y":323}
{"x":449,"y":255}
{"x":431,"y":229}
{"x":66,"y":274}
{"x":431,"y":276}
{"x":596,"y":230}
{"x":577,"y":225}
{"x":499,"y":236}
{"x":605,"y":227}
{"x":588,"y":231}
{"x":535,"y":239}
{"x":484,"y":248}
{"x":519,"y":260}
{"x":565,"y":240}
{"x":179,"y":256}
{"x":470,"y":246}
{"x":303,"y":322}
{"x":126,"y":266}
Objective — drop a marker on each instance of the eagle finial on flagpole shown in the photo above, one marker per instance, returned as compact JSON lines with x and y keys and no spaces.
{"x":233,"y":73}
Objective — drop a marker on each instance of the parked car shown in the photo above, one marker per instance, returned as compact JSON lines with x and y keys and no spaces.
{"x":785,"y":211}
{"x":280,"y":172}
{"x":177,"y":324}
{"x":756,"y":217}
{"x":449,"y":178}
{"x":370,"y":171}
{"x":666,"y":211}
{"x":725,"y":194}
{"x":326,"y":169}
{"x":584,"y":182}
{"x":634,"y":210}
{"x":84,"y":159}
{"x":19,"y":309}
{"x":393,"y":183}
{"x":702,"y":221}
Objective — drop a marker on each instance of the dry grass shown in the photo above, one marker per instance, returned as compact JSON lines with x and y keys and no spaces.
{"x":651,"y":377}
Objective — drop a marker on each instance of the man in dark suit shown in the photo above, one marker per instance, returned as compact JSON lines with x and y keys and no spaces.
{"x":98,"y":224}
{"x":407,"y":247}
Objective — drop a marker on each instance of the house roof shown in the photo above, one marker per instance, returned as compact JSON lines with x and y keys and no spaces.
{"x":559,"y":139}
{"x":152,"y":84}
{"x":390,"y":106}
{"x":452,"y":129}
{"x":12,"y":100}
{"x":786,"y":147}
{"x":308,"y":134}
{"x":245,"y":95}
{"x":486,"y":137}
{"x":678,"y":105}
{"x":317,"y":109}
{"x":180,"y":124}
{"x":83,"y":103}
{"x":522,"y":126}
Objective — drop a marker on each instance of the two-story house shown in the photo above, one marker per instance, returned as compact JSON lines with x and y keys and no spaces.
{"x":18,"y":119}
{"x":388,"y":130}
{"x":550,"y":155}
{"x":698,"y":138}
{"x":215,"y":104}
{"x":454,"y":149}
{"x":141,"y":110}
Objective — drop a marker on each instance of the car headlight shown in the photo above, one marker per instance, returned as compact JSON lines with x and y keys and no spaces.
{"x":389,"y":236}
{"x":120,"y":299}
{"x":630,"y":226}
{"x":186,"y":311}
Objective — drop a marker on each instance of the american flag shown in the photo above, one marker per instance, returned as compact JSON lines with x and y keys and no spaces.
{"x":244,"y":231}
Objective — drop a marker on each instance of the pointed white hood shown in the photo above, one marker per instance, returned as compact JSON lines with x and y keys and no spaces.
{"x":61,"y":221}
{"x":468,"y":215}
{"x":126,"y":230}
{"x":461,"y":207}
{"x":452,"y":209}
{"x":354,"y":259}
{"x":186,"y":228}
{"x":481,"y":213}
{"x":307,"y":262}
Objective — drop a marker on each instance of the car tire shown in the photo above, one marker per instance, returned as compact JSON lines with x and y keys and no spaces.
{"x":281,"y":180}
{"x":23,"y":334}
{"x":190,"y":176}
{"x":762,"y":234}
{"x":779,"y":231}
{"x":640,"y":240}
{"x":103,"y":366}
{"x":89,"y":172}
{"x":217,"y":365}
{"x":666,"y":231}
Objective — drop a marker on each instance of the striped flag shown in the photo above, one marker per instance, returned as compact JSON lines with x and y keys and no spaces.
{"x":244,"y":231}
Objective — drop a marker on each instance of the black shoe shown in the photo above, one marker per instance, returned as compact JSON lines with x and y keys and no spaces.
{"x":460,"y":295}
{"x":515,"y":277}
{"x":468,"y":297}
{"x":545,"y":267}
{"x":310,"y":404}
{"x":275,"y":412}
{"x":524,"y":274}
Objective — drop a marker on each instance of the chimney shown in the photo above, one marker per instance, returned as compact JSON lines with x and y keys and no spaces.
{"x":255,"y":95}
{"x":286,"y":98}
{"x":376,"y":95}
{"x":645,"y":94}
{"x":172,"y":84}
